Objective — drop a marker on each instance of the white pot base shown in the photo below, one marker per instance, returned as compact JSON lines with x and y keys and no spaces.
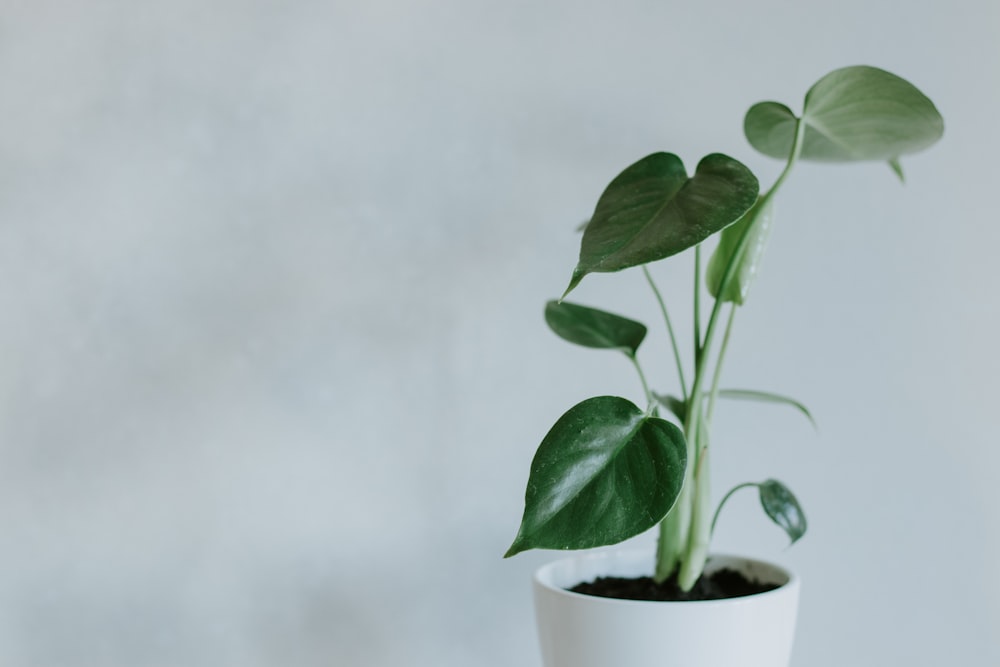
{"x":584,"y":631}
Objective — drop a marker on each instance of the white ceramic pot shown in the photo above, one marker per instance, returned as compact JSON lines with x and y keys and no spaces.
{"x":585,"y":631}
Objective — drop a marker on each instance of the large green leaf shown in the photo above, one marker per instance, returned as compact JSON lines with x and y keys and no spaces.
{"x":652,"y":210}
{"x":604,"y":473}
{"x":758,"y":222}
{"x":594,"y":328}
{"x":783,"y":508}
{"x":851,"y":114}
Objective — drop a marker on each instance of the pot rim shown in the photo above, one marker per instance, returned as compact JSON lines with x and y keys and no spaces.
{"x":543,"y":575}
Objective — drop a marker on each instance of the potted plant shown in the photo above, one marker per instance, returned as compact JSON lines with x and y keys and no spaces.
{"x":609,"y":469}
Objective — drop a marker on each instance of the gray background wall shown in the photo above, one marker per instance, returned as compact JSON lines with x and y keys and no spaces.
{"x":272,"y":362}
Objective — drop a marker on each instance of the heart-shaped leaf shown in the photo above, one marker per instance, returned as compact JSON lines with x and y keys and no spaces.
{"x":770,"y":128}
{"x":783,"y":508}
{"x":604,"y":473}
{"x":652,"y":210}
{"x":758,"y":222}
{"x":851,"y":114}
{"x":594,"y":328}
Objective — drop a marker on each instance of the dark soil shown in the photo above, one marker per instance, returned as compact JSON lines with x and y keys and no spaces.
{"x":719,"y":585}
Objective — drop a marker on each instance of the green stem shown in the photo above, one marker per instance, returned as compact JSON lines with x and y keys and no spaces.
{"x":730,"y":272}
{"x":676,"y":526}
{"x":697,"y":309}
{"x":673,"y":534}
{"x":793,"y":157}
{"x":733,"y":490}
{"x":642,"y":378}
{"x":690,"y":541}
{"x":699,"y":535}
{"x":714,"y":391}
{"x":673,"y":548}
{"x":670,"y":330}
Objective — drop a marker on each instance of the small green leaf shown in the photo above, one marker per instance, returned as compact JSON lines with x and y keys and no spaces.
{"x":604,"y":473}
{"x":652,"y":210}
{"x":851,"y":114}
{"x":594,"y":328}
{"x":676,"y":406}
{"x":770,"y":128}
{"x":783,"y":508}
{"x":758,"y":220}
{"x":767,"y":397}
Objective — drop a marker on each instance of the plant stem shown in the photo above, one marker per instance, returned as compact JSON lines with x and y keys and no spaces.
{"x":670,"y":330}
{"x":642,"y":378}
{"x":730,"y":272}
{"x":722,"y":502}
{"x":714,"y":392}
{"x":673,"y":530}
{"x":699,"y":535}
{"x":793,"y":157}
{"x":697,"y":308}
{"x":676,"y":526}
{"x":688,"y":535}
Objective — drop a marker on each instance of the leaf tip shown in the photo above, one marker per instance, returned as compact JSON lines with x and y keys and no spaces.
{"x":515,"y":548}
{"x":897,"y":169}
{"x":578,"y":275}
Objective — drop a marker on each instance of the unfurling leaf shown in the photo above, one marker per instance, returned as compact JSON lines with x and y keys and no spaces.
{"x":652,"y":210}
{"x":756,"y":223}
{"x":594,"y":328}
{"x":604,"y":473}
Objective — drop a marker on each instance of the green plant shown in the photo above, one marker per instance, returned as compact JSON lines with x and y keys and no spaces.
{"x":609,"y":470}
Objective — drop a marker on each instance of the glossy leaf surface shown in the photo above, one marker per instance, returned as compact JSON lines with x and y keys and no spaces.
{"x":594,"y":328}
{"x":783,"y":508}
{"x":851,"y":114}
{"x":652,"y":210}
{"x":604,"y":473}
{"x":758,"y":221}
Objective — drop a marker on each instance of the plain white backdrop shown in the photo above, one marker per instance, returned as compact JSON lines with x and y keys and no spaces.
{"x":272,"y":360}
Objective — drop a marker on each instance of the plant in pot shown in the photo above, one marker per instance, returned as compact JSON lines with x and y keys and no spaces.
{"x":609,"y":469}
